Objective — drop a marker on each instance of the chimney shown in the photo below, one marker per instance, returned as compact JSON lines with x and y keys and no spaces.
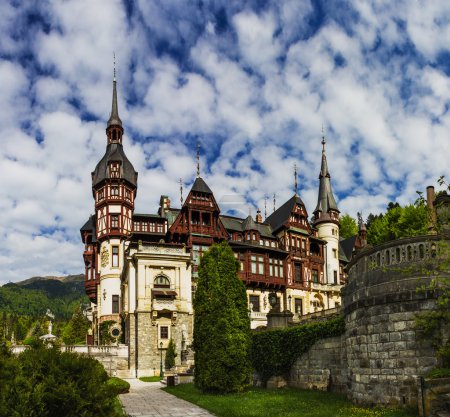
{"x":164,"y":205}
{"x":431,"y":196}
{"x":258,"y":216}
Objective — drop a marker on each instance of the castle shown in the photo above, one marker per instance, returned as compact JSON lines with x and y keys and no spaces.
{"x":141,"y":269}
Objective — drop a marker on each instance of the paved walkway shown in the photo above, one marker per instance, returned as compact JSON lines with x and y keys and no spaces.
{"x":146,"y":399}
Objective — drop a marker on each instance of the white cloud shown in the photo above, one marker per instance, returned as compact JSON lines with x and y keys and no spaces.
{"x":254,"y":85}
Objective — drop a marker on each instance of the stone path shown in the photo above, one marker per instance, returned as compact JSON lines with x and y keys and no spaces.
{"x":146,"y":399}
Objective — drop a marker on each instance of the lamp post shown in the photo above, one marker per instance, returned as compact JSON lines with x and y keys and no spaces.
{"x":161,"y":370}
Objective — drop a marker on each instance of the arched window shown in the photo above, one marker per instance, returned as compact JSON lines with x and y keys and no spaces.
{"x":388,"y":257}
{"x":397,"y":255}
{"x":161,"y":281}
{"x":421,"y":252}
{"x":378,"y":259}
{"x":409,"y":251}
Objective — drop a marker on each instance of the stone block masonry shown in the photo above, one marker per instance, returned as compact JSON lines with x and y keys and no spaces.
{"x":378,"y":359}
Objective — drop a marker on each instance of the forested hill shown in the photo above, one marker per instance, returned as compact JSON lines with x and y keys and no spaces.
{"x":34,"y":296}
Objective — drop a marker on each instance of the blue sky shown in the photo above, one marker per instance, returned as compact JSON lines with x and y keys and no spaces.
{"x":253,"y":81}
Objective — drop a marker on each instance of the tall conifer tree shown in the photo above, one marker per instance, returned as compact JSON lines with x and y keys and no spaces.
{"x":221,"y":324}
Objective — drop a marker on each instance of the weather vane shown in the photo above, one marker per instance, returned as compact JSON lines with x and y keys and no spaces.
{"x":295,"y":179}
{"x":198,"y":159}
{"x":181,"y":191}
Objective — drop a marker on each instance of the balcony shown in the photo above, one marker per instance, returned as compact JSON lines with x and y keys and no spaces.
{"x":318,"y":286}
{"x":163,"y":304}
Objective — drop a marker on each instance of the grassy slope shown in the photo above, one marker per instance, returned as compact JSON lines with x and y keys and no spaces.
{"x":280,"y":403}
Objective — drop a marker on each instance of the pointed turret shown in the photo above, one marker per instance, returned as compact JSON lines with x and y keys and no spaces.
{"x":326,"y":209}
{"x":114,"y":118}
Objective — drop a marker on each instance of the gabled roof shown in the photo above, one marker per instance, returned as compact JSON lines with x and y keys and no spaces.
{"x":201,"y":186}
{"x":282,"y":214}
{"x":346,"y":247}
{"x":241,"y":225}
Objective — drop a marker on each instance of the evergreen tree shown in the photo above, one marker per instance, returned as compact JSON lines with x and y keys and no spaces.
{"x":348,"y":226}
{"x":221,"y":324}
{"x":76,"y":328}
{"x":169,"y":361}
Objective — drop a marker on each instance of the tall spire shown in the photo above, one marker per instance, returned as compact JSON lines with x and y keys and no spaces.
{"x":325,"y":200}
{"x":114,"y":118}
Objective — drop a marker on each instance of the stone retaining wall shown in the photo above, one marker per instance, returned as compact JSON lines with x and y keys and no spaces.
{"x":378,"y":359}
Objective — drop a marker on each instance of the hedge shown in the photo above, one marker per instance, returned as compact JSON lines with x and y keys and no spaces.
{"x":273,"y":352}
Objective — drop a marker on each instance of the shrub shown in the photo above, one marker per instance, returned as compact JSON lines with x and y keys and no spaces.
{"x":46,"y":382}
{"x":221,"y":324}
{"x":275,"y":351}
{"x":120,"y":386}
{"x":169,"y":360}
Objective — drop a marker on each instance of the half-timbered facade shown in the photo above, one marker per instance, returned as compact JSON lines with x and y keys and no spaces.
{"x":141,"y":269}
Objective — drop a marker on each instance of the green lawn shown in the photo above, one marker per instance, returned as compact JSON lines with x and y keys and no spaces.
{"x":286,"y":402}
{"x":150,"y":378}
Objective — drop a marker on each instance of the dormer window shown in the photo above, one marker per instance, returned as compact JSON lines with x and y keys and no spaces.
{"x":114,"y":170}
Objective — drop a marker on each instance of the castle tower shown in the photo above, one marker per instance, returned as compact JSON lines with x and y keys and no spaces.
{"x":114,"y":184}
{"x":326,"y":221}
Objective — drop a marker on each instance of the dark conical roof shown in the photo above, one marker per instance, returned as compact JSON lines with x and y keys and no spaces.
{"x":114,"y":153}
{"x":325,"y":200}
{"x":114,"y":118}
{"x":201,"y":186}
{"x":249,"y":224}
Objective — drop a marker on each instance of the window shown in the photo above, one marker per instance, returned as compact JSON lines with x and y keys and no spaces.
{"x":314,"y":248}
{"x":101,"y":194}
{"x":275,"y":267}
{"x":161,"y":281}
{"x":115,"y":304}
{"x":136,"y":226}
{"x":195,"y":217}
{"x":315,"y":276}
{"x":257,"y":264}
{"x":240,"y":257}
{"x":298,"y":273}
{"x":254,"y":302}
{"x":335,"y":277}
{"x":164,"y":332}
{"x":114,"y":191}
{"x":298,"y":306}
{"x":206,"y":219}
{"x":335,"y":253}
{"x":114,"y":221}
{"x":114,"y":171}
{"x":115,"y":256}
{"x":160,"y":228}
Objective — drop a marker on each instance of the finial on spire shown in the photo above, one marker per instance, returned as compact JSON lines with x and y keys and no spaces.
{"x":295,"y":179}
{"x":114,"y":57}
{"x":323,"y":140}
{"x":198,"y":159}
{"x":265,"y":206}
{"x":114,"y":118}
{"x":274,"y":201}
{"x":181,"y":191}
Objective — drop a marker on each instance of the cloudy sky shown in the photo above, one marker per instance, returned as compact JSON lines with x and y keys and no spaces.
{"x":253,"y":81}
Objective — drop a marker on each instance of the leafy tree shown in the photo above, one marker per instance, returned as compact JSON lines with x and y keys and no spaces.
{"x":348,"y":226}
{"x":221,"y":324}
{"x":75,"y":330}
{"x":169,"y":361}
{"x":398,"y":222}
{"x":434,"y":325}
